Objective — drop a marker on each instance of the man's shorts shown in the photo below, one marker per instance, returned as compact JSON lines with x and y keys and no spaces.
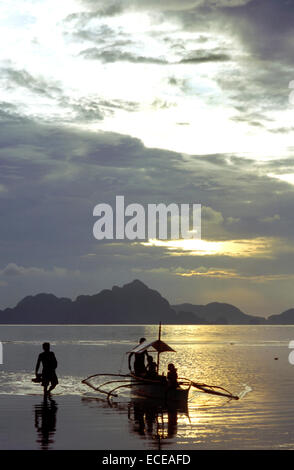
{"x":49,"y":378}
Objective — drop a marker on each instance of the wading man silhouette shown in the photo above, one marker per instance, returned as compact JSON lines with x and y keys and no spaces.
{"x":49,"y":363}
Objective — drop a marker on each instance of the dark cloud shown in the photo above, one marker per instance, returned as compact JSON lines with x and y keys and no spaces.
{"x":266,"y":27}
{"x":82,"y":109}
{"x":24,"y":79}
{"x":100,"y":9}
{"x":150,"y":5}
{"x":120,"y":104}
{"x":82,"y":30}
{"x":85,"y":110}
{"x":200,"y":57}
{"x":116,"y":55}
{"x":112,"y":55}
{"x":9,"y":112}
{"x":282,"y":130}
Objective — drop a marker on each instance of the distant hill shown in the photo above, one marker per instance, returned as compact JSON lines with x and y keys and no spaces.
{"x":134,"y":303}
{"x":218,"y":313}
{"x":284,"y":318}
{"x":40,"y":308}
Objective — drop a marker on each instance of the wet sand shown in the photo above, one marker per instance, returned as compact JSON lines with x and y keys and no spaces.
{"x":64,"y":422}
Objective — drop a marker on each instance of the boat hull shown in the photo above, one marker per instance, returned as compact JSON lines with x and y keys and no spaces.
{"x":159,"y":391}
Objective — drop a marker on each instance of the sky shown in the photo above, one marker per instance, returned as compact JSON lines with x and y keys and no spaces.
{"x":172,"y":101}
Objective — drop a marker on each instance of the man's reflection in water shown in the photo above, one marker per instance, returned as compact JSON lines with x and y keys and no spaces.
{"x":139,"y":420}
{"x":172,"y":422}
{"x":45,"y":422}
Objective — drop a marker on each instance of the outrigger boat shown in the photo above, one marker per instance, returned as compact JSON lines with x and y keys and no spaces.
{"x":155,"y":388}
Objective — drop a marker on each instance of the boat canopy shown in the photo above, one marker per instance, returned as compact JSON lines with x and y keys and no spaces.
{"x":157,"y":345}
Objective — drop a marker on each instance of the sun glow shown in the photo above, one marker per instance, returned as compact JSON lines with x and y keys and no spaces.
{"x":288,"y":178}
{"x":233,"y":248}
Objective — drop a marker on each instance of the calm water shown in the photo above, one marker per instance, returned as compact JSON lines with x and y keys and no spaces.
{"x":248,"y":360}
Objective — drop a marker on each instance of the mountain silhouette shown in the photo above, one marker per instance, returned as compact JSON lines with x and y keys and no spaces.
{"x":284,"y":318}
{"x":218,"y":313}
{"x":133,"y":303}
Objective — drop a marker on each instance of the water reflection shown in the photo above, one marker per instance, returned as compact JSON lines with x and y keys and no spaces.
{"x":153,"y":421}
{"x":146,"y":418}
{"x":45,"y":422}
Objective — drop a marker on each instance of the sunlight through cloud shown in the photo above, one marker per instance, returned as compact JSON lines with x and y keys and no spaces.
{"x":257,"y":247}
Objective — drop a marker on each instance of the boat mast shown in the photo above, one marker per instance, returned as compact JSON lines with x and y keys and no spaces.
{"x":159,"y":337}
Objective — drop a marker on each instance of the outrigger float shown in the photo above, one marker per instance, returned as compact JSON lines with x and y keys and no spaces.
{"x":154,"y":388}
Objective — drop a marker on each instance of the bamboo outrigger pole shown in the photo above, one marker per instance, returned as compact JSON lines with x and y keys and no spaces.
{"x":159,"y":338}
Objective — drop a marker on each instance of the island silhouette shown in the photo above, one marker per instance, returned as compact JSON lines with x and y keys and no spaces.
{"x":133,"y":303}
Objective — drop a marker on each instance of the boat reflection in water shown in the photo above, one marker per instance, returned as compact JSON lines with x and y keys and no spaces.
{"x":154,"y":421}
{"x":149,"y":419}
{"x":45,"y":422}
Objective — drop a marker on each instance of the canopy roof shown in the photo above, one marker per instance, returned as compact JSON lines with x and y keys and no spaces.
{"x":157,"y":345}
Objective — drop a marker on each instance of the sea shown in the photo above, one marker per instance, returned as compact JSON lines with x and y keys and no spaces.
{"x":252,"y":362}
